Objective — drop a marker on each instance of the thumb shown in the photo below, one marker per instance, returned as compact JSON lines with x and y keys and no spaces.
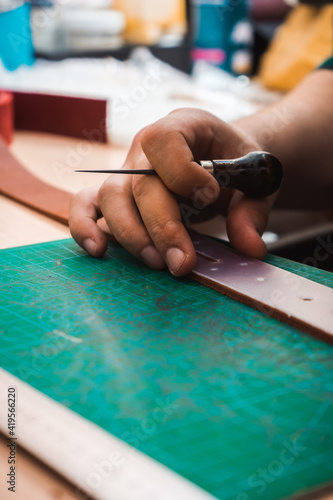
{"x":84,"y":213}
{"x":246,"y":221}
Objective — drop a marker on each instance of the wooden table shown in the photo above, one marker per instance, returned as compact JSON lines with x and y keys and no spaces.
{"x":54,"y":160}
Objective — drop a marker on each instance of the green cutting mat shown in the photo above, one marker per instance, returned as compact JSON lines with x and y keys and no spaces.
{"x":231,"y":399}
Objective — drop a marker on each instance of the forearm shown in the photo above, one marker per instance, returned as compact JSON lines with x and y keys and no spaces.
{"x":298,"y":129}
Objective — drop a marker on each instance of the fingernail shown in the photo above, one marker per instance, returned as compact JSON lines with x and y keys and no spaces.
{"x":151,"y":257}
{"x":90,"y":246}
{"x":174,"y":259}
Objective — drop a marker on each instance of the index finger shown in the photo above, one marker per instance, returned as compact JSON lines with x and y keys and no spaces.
{"x":170,"y":145}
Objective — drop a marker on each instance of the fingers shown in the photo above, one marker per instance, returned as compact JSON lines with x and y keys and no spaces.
{"x":144,"y":217}
{"x":167,"y":146}
{"x":121,"y":215}
{"x":141,"y":211}
{"x":246,"y":221}
{"x":161,"y":216}
{"x":83,"y":215}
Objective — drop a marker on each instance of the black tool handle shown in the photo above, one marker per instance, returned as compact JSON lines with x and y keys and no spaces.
{"x":256,"y":174}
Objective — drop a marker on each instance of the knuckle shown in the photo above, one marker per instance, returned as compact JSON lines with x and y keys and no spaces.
{"x":138,"y":137}
{"x":139,"y":186}
{"x":164,"y":229}
{"x":78,"y":202}
{"x":180,"y":181}
{"x":148,"y":135}
{"x":124,"y":233}
{"x":183,"y":113}
{"x":176,"y":111}
{"x":109,"y":189}
{"x":156,"y":134}
{"x":176,"y":182}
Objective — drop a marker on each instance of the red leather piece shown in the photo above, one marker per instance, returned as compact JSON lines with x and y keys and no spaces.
{"x":6,"y":116}
{"x":61,"y":115}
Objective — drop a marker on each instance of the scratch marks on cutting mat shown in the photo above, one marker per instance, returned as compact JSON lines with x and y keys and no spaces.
{"x":75,"y":340}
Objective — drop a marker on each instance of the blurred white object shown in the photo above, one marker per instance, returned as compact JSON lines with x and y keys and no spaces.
{"x":242,"y":32}
{"x":269,"y":237}
{"x":96,"y":4}
{"x":6,"y":5}
{"x":47,"y":33}
{"x":86,"y":21}
{"x":139,"y":91}
{"x":292,"y":3}
{"x":209,"y":76}
{"x":87,"y":29}
{"x":66,"y":27}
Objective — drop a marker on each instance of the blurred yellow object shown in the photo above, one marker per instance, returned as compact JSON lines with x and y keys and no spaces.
{"x":148,"y":20}
{"x":300,"y":45}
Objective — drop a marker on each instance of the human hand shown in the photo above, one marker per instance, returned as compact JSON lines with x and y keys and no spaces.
{"x":143,"y":213}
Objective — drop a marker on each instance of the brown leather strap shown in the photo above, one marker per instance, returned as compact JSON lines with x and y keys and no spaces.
{"x":295,"y":300}
{"x":20,"y":185}
{"x":72,"y":116}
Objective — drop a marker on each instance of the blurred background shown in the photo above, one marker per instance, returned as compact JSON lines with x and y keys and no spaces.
{"x":172,"y":28}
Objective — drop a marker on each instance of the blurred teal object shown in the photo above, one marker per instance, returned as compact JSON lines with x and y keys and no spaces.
{"x":222,"y":34}
{"x":16,"y":46}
